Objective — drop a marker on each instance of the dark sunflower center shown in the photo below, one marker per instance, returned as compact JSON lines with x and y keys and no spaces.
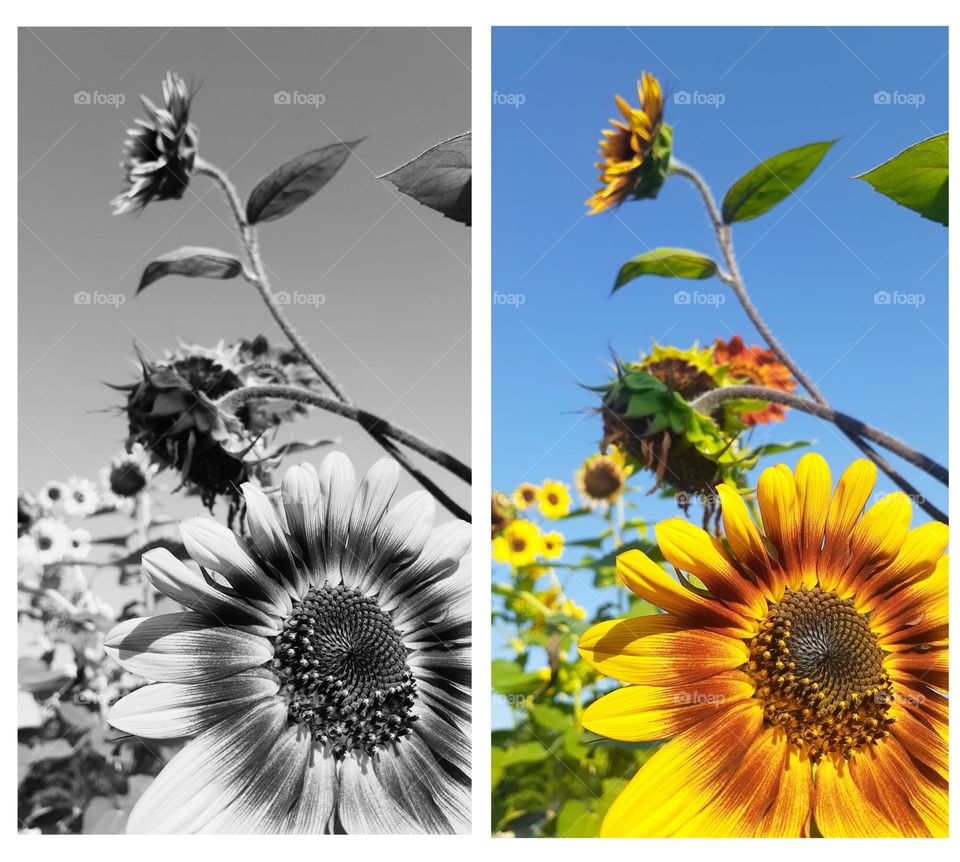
{"x":601,"y":480}
{"x":127,"y":480}
{"x":819,"y":671}
{"x":344,"y":670}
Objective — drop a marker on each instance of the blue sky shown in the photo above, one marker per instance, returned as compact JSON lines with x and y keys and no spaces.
{"x":813,"y":264}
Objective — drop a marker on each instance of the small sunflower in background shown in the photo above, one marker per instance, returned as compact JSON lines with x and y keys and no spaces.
{"x":799,"y":673}
{"x":128,"y":475}
{"x":635,"y":153}
{"x":554,"y":499}
{"x":52,"y":495}
{"x":526,"y":496}
{"x":602,"y":478}
{"x":502,"y":512}
{"x":161,"y":150}
{"x":551,"y":545}
{"x":81,"y":498}
{"x":518,"y":544}
{"x":757,"y":366}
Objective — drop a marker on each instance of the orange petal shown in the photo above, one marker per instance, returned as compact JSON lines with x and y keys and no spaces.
{"x":840,"y":809}
{"x":747,"y":544}
{"x":851,"y":495}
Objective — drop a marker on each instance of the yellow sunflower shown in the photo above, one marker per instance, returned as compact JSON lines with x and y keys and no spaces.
{"x":801,"y":682}
{"x":624,"y":148}
{"x":526,"y":495}
{"x":551,"y":547}
{"x":602,"y":478}
{"x":518,"y":544}
{"x":554,"y":498}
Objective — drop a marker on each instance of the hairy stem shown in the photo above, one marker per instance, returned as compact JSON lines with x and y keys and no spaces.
{"x":734,"y":280}
{"x":710,"y":401}
{"x":373,"y":423}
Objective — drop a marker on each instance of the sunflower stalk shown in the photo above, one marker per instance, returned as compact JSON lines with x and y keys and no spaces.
{"x":734,"y":280}
{"x":255,"y":273}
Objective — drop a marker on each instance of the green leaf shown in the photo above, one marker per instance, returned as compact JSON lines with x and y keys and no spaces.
{"x":550,"y":717}
{"x":771,"y":181}
{"x":643,"y":404}
{"x":295,"y":182}
{"x":576,"y":819}
{"x":917,"y":178}
{"x":193,"y":263}
{"x":507,"y":677}
{"x":667,"y":263}
{"x":440,"y":178}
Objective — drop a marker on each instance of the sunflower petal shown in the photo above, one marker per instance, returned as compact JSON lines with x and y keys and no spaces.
{"x":366,"y":807}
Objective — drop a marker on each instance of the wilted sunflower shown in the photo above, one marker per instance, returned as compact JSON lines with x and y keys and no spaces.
{"x":635,"y":153}
{"x":602,"y":478}
{"x":161,"y":150}
{"x":321,"y":669}
{"x":800,"y":683}
{"x":756,"y":366}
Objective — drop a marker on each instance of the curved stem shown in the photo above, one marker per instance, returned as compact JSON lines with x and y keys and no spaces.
{"x":710,"y":401}
{"x":371,"y":422}
{"x":376,"y":427}
{"x":734,"y":280}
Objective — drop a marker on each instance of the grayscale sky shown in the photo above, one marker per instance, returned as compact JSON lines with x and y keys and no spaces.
{"x":394,"y":323}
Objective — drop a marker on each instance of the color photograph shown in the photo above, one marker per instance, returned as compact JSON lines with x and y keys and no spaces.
{"x":719,"y":396}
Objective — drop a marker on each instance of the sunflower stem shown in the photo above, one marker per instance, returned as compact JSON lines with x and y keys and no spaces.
{"x":711,"y":400}
{"x":734,"y":280}
{"x":256,"y":274}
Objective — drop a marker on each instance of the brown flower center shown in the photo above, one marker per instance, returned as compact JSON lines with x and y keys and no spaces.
{"x":819,"y":672}
{"x":602,"y":479}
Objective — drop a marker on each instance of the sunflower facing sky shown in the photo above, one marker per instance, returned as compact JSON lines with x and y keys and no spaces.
{"x":321,"y":670}
{"x":625,"y":147}
{"x":798,"y":673}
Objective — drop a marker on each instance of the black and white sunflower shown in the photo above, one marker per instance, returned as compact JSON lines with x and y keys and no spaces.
{"x":321,"y":669}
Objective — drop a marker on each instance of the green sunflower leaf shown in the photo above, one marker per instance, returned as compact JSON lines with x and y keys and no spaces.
{"x":295,"y":182}
{"x":918,"y":178}
{"x":440,"y":178}
{"x":771,"y":181}
{"x":193,"y":263}
{"x":667,"y":263}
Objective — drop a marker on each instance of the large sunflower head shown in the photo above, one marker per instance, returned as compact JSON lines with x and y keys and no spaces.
{"x":799,"y":672}
{"x":321,"y":669}
{"x":757,"y":366}
{"x":161,"y":150}
{"x":635,"y":153}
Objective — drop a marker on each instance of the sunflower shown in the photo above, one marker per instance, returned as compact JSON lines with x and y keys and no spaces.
{"x":602,"y":478}
{"x":502,"y":512}
{"x":161,"y":150}
{"x":51,"y":538}
{"x":551,"y":547}
{"x":757,"y":366}
{"x":635,"y":153}
{"x":80,"y":499}
{"x":52,"y":495}
{"x":526,"y":496}
{"x":321,"y":670}
{"x":800,"y":681}
{"x":518,"y":544}
{"x":554,"y":499}
{"x":129,"y":473}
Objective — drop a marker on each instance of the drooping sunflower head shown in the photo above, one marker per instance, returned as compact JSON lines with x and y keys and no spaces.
{"x":799,"y":672}
{"x":161,"y":150}
{"x":602,"y":478}
{"x":758,"y":366}
{"x":635,"y":153}
{"x":172,"y":414}
{"x":321,"y":671}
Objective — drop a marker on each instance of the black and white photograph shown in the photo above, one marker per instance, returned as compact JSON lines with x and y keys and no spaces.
{"x":244,"y":454}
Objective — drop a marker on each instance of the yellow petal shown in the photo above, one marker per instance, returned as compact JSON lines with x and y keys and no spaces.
{"x":746,"y":542}
{"x":851,"y":495}
{"x":777,"y":496}
{"x":812,"y":477}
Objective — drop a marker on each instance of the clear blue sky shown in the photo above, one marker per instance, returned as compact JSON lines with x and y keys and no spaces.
{"x":812,"y":265}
